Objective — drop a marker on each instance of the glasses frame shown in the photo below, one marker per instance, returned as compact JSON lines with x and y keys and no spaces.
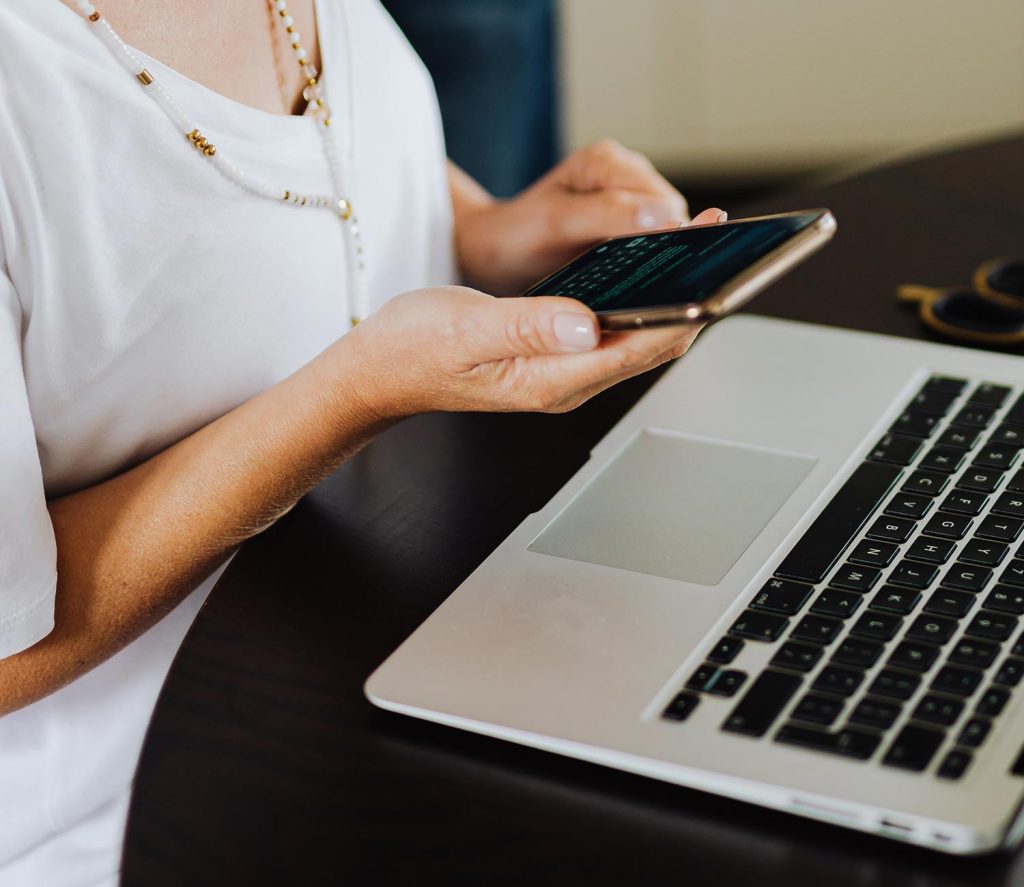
{"x":926,"y":297}
{"x":980,"y":281}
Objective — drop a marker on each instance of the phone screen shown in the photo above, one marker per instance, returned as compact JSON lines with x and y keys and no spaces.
{"x":670,"y":267}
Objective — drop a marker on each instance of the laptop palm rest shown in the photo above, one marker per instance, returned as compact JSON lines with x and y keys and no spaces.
{"x":675,"y":506}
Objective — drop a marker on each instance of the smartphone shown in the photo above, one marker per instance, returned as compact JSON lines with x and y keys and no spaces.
{"x":687,"y":275}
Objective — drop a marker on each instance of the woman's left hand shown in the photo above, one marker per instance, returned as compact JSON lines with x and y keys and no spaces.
{"x":603,"y":190}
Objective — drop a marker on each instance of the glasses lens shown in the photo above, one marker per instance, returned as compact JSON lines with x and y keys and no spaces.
{"x":966,"y":310}
{"x":1007,"y":277}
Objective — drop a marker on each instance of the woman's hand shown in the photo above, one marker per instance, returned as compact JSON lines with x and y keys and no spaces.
{"x":454,"y":348}
{"x":600,"y":191}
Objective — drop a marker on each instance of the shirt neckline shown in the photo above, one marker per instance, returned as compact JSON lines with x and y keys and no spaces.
{"x":220,"y":114}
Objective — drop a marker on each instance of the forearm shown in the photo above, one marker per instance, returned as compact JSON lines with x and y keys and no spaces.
{"x":129,"y":549}
{"x":467,"y":195}
{"x":476,"y":255}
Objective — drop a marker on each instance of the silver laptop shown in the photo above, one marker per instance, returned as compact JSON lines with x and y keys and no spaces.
{"x":789,"y":575}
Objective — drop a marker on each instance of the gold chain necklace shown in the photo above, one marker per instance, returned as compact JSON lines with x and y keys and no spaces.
{"x":312,"y":92}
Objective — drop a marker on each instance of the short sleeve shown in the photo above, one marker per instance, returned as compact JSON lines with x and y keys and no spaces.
{"x":28,"y":551}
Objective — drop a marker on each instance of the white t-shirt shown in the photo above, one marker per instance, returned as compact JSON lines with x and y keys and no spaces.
{"x":141,"y":296}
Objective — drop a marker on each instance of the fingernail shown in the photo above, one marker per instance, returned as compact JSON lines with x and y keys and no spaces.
{"x":654,"y":215}
{"x":723,"y":216}
{"x":576,"y":332}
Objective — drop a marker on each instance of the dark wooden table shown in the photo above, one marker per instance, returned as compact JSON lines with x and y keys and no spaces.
{"x":264,"y":764}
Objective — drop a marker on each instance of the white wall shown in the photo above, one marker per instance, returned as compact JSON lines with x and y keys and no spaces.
{"x":756,"y":88}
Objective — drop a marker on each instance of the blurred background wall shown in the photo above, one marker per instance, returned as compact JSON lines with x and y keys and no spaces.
{"x":729,"y":90}
{"x":727,"y":97}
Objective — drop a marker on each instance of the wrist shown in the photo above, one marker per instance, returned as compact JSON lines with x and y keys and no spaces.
{"x":359,"y":396}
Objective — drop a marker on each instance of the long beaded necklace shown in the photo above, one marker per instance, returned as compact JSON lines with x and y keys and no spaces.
{"x":312,"y":92}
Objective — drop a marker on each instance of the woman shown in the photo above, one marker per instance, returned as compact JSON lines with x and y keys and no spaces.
{"x":182,"y":250}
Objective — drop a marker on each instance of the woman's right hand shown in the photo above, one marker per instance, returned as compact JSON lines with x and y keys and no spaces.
{"x":452,"y":348}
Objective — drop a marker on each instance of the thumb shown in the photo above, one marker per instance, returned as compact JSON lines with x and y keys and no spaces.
{"x":528,"y":326}
{"x":708,"y":217}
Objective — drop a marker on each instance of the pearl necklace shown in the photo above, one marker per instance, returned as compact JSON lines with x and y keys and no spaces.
{"x":312,"y":93}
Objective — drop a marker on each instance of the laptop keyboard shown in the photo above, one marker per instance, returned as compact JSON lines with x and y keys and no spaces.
{"x":895,"y":617}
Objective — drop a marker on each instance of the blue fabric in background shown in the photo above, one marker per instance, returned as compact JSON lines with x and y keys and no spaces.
{"x":493,"y":64}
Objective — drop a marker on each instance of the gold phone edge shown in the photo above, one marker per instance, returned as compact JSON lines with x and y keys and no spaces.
{"x":740,"y":289}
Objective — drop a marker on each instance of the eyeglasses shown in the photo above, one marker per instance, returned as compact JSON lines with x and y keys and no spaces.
{"x":990,"y":311}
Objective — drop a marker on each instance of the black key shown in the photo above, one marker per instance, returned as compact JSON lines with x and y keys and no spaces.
{"x":983,"y":552}
{"x":725,"y":650}
{"x":913,"y":574}
{"x":817,"y":710}
{"x":895,"y":600}
{"x":994,"y":626}
{"x":759,"y":626}
{"x":1002,"y":529}
{"x":798,"y":657}
{"x":1018,"y":648}
{"x":1005,"y":599}
{"x":957,"y":681}
{"x":849,"y":743}
{"x":893,"y":529}
{"x":1016,"y":483}
{"x":954,"y":765}
{"x":761,"y":704}
{"x":967,"y":577}
{"x":894,"y":684}
{"x":964,"y":502}
{"x":877,"y":626}
{"x":914,"y":655}
{"x":934,"y":629}
{"x":969,"y":651}
{"x":997,"y":455}
{"x":974,"y":732}
{"x":1013,"y":574}
{"x":782,"y":596}
{"x":1009,"y":504}
{"x":680,"y":708}
{"x":1017,"y":410}
{"x":838,"y":680}
{"x":935,"y":402}
{"x":949,"y":603}
{"x":877,"y":713}
{"x":945,"y":384}
{"x":898,"y":449}
{"x":983,"y":480}
{"x":913,"y":748}
{"x":973,"y":417}
{"x":873,"y":554}
{"x":819,"y":629}
{"x":925,"y":483}
{"x":858,"y":653}
{"x":703,"y":676}
{"x":989,"y":395}
{"x":938,"y":710}
{"x":932,"y":551}
{"x":1018,"y":765}
{"x":914,"y":423}
{"x":942,"y":459}
{"x":909,"y":505}
{"x":948,"y":526}
{"x":727,"y":682}
{"x":833,"y":602}
{"x":993,"y":701}
{"x":1011,"y":435}
{"x":854,"y":578}
{"x":819,"y":548}
{"x":958,"y":438}
{"x":1010,"y":672}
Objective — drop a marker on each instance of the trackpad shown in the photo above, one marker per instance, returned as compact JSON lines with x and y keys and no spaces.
{"x":675,"y":506}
